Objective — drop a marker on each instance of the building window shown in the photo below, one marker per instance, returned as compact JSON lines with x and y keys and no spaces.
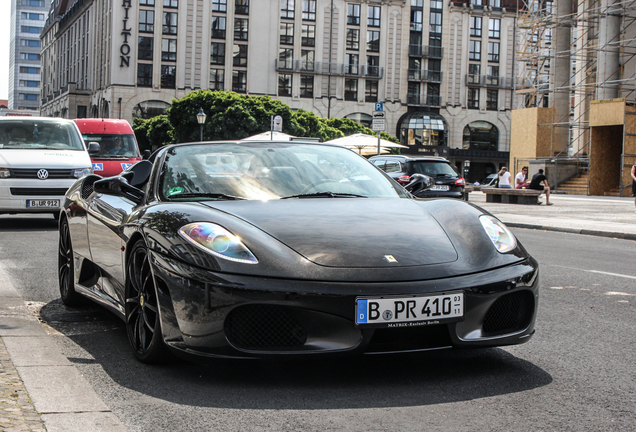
{"x":29,"y":70}
{"x":306,"y":86}
{"x":353,"y":14}
{"x":29,"y":56}
{"x":351,"y":90}
{"x":286,"y":58}
{"x":476,"y":3}
{"x":144,"y":48}
{"x":475,"y":26}
{"x":32,"y":16}
{"x":239,"y":81}
{"x":240,"y":29}
{"x":36,"y":3}
{"x":309,"y":10}
{"x":351,"y":66}
{"x":493,"y":76}
{"x":171,"y":3}
{"x":146,"y":21}
{"x":307,"y":60}
{"x":474,"y":50}
{"x":144,"y":75}
{"x":217,"y":53}
{"x":308,"y":35}
{"x":170,"y":23}
{"x":26,"y":83}
{"x":30,"y":29}
{"x":217,"y":79}
{"x":474,"y":71}
{"x":147,"y":2}
{"x":168,"y":74}
{"x":373,"y":19}
{"x":353,"y":38}
{"x":473,"y":98}
{"x":437,"y":4}
{"x":239,"y":54}
{"x":284,"y":84}
{"x":28,"y":96}
{"x":169,"y":49}
{"x":373,"y":66}
{"x":373,"y":41}
{"x":219,"y":5}
{"x":82,"y":111}
{"x":413,"y":93}
{"x":435,"y":22}
{"x":493,"y":51}
{"x":241,"y":7}
{"x":287,"y":9}
{"x":417,"y":17}
{"x":493,"y":28}
{"x":371,"y":91}
{"x":218,"y":27}
{"x":492,"y":96}
{"x":286,"y":33}
{"x":30,"y":43}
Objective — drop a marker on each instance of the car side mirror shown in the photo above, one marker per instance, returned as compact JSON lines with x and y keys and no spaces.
{"x":118,"y":186}
{"x":93,"y":148}
{"x":419,"y":183}
{"x":138,"y":174}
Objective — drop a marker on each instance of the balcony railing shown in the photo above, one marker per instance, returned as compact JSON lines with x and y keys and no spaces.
{"x":425,"y":75}
{"x":489,"y":81}
{"x":324,"y":68}
{"x":426,"y":51}
{"x":424,"y":100}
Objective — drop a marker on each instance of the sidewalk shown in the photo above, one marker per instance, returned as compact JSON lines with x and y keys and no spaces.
{"x":40,"y":389}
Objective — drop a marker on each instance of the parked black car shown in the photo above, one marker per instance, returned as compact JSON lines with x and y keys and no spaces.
{"x":448,"y":182}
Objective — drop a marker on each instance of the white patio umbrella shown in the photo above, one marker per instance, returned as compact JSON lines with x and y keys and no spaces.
{"x":365,"y":144}
{"x":267,"y":136}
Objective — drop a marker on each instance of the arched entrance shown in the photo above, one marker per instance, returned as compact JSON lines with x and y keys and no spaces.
{"x":480,"y":135}
{"x":424,"y":133}
{"x":362,"y":118}
{"x":149,"y":109}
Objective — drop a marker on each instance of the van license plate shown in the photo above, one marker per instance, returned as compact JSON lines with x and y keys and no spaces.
{"x":43,"y":203}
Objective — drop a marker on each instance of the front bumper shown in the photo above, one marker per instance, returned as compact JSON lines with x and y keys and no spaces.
{"x":14,"y":194}
{"x":218,"y":315}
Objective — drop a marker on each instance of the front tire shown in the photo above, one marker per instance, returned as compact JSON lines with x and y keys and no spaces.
{"x":142,"y":308}
{"x":65,"y":269}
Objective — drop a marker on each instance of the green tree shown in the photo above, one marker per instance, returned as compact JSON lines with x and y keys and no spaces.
{"x":159,"y":131}
{"x":140,"y":127}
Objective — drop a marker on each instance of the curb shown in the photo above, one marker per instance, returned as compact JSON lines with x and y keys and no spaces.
{"x":608,"y":234}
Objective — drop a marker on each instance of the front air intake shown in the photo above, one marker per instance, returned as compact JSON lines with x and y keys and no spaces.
{"x":509,"y":313}
{"x":261,"y":327}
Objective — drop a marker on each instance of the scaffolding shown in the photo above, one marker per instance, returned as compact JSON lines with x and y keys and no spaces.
{"x":569,"y":55}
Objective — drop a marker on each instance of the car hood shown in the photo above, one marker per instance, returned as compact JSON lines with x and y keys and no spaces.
{"x":34,"y":158}
{"x":349,"y":232}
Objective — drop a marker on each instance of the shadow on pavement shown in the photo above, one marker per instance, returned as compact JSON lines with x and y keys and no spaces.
{"x":41,"y":222}
{"x":349,"y":382}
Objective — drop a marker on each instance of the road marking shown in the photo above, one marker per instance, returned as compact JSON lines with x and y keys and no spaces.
{"x":612,"y":293}
{"x":611,"y":274}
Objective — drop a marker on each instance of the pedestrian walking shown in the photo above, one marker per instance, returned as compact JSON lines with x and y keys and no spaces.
{"x":504,"y":178}
{"x":540,"y":182}
{"x":634,"y":183}
{"x":521,"y":179}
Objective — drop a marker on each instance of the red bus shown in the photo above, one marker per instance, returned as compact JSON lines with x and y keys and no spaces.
{"x":116,"y":139}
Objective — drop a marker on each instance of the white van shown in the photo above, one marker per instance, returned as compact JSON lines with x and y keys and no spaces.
{"x":40,"y":158}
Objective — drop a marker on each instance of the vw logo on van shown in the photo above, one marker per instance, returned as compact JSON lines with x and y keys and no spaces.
{"x":43,"y":174}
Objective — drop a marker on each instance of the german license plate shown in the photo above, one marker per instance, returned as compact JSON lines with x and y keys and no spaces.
{"x":43,"y":203}
{"x":440,"y":187}
{"x":409,"y":311}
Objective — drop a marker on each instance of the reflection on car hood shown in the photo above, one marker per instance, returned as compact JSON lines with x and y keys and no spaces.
{"x":39,"y":158}
{"x":349,"y":232}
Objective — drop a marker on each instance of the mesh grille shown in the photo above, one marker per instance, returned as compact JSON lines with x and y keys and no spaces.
{"x":38,"y":191}
{"x":263,"y":326}
{"x":30,"y":173}
{"x":87,"y":189}
{"x":509,"y":313}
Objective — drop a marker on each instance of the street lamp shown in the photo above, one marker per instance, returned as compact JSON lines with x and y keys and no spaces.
{"x":201,"y":119}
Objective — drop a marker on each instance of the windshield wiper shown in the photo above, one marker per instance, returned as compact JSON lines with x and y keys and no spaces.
{"x":208,"y":195}
{"x":325,"y":195}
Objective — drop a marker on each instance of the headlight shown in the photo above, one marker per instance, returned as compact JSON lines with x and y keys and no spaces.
{"x":81,"y":172}
{"x":218,"y":241}
{"x":500,"y":235}
{"x":5,"y":173}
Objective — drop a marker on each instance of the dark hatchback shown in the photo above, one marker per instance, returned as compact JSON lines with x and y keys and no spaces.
{"x":448,"y":183}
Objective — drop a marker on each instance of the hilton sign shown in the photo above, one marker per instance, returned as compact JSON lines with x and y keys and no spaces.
{"x":124,"y":49}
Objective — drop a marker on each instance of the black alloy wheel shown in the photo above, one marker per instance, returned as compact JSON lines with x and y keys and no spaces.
{"x":142,"y":308}
{"x":65,"y":270}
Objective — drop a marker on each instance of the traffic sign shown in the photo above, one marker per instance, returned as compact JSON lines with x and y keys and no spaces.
{"x":277,"y":124}
{"x":378,"y":124}
{"x":379,"y":114}
{"x":379,"y":106}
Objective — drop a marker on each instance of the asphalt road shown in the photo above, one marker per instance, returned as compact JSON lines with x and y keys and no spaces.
{"x":577,"y":374}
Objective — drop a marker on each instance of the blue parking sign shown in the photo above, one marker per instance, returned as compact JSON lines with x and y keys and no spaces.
{"x":379,"y":106}
{"x":98,"y":167}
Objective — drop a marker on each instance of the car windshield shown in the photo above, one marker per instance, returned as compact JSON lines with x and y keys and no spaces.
{"x":263,"y":171}
{"x":39,"y":134}
{"x":113,"y":146}
{"x":434,"y":168}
